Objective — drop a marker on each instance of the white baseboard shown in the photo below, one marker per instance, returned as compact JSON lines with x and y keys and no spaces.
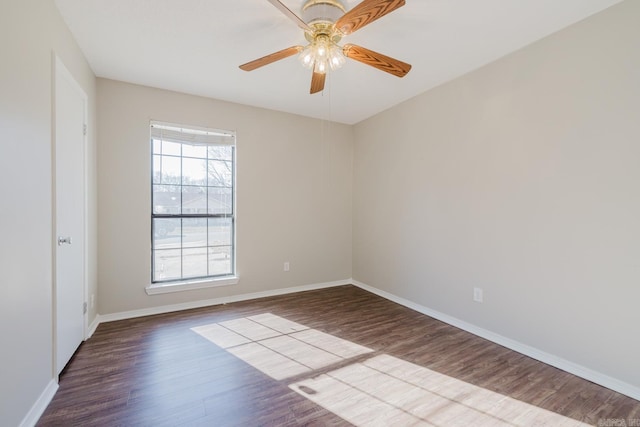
{"x":92,"y":327}
{"x":550,"y":359}
{"x":216,"y":301}
{"x":41,"y":404}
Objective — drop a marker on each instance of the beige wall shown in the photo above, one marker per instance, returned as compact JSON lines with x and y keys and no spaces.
{"x":293,"y":195}
{"x":521,"y":178}
{"x":29,"y":31}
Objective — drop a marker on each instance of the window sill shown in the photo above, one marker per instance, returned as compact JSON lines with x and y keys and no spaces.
{"x":166,"y":288}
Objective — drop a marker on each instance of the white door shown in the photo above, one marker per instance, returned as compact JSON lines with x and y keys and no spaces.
{"x":70,"y":119}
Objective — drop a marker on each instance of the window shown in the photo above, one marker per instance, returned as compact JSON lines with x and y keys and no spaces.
{"x":193,"y":198}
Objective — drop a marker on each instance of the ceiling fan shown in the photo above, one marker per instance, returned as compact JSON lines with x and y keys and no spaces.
{"x":325,"y":23}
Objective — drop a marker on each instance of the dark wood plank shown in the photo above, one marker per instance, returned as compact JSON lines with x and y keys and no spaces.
{"x":156,"y":371}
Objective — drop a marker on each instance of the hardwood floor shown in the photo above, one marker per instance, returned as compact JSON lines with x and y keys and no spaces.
{"x":349,"y":357}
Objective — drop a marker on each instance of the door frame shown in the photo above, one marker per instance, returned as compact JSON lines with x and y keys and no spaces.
{"x":60,"y":70}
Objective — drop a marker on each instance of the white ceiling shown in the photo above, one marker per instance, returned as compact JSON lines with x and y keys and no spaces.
{"x":195,"y":46}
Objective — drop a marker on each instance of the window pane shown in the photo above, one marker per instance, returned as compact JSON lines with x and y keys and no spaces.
{"x":194,"y":172}
{"x":166,"y":170}
{"x":155,"y":175}
{"x":166,"y":199}
{"x":220,"y":200}
{"x":171,"y":148}
{"x":220,"y":261}
{"x":199,"y":151}
{"x":194,"y":200}
{"x":220,"y":173}
{"x":157,"y":146}
{"x":167,"y":264}
{"x":194,"y":262}
{"x":220,"y":231}
{"x":194,"y":232}
{"x":221,"y":152}
{"x":166,"y":233}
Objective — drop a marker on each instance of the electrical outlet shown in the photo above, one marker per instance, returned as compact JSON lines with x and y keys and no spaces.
{"x":93,"y":300}
{"x":477,"y":294}
{"x":286,"y":266}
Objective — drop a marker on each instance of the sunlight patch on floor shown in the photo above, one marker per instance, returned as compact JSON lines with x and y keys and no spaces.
{"x":381,"y":390}
{"x":385,"y":390}
{"x":279,"y":347}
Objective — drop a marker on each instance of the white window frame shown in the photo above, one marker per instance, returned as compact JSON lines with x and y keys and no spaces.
{"x":193,"y":135}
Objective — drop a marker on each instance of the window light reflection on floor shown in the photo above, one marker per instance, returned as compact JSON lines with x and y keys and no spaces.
{"x":279,"y":347}
{"x":381,"y":390}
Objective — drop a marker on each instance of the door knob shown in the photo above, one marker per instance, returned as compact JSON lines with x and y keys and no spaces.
{"x":63,"y":240}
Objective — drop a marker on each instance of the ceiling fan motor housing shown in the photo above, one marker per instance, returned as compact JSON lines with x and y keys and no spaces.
{"x":322,"y":11}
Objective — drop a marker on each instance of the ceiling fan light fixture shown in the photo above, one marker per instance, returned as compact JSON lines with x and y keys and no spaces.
{"x":307,"y":57}
{"x":336,"y":57}
{"x":320,"y":67}
{"x":322,"y":54}
{"x":321,"y":45}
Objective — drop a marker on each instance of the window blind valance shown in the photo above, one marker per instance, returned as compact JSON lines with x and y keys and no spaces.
{"x":192,"y":135}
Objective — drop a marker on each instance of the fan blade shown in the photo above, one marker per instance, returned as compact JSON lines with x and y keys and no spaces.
{"x":295,"y":18}
{"x":266,"y":60}
{"x":317,"y":82}
{"x":365,"y":13}
{"x":377,"y":60}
